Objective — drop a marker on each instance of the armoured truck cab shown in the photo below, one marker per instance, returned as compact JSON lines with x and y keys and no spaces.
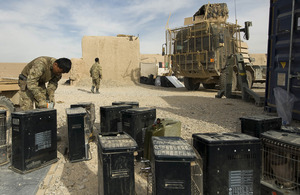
{"x":199,"y":50}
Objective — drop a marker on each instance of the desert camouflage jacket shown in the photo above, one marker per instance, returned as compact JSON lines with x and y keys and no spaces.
{"x":96,"y":71}
{"x":38,"y":73}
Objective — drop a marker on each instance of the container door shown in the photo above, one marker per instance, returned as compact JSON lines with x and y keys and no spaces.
{"x":283,"y":67}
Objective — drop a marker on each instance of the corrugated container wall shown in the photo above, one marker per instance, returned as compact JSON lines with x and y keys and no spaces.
{"x":283,"y":66}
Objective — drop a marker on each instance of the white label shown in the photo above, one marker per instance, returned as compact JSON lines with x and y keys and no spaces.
{"x":281,"y":79}
{"x":241,"y":182}
{"x":42,"y":140}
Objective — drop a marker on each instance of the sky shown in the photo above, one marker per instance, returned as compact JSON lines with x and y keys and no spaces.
{"x":32,"y":28}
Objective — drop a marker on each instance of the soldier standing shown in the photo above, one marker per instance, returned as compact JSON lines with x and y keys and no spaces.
{"x":96,"y":74}
{"x":33,"y":79}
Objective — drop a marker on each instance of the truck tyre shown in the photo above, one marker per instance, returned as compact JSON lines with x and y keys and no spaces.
{"x":190,"y":85}
{"x":222,"y":81}
{"x":6,"y":104}
{"x":209,"y":86}
{"x":249,"y":79}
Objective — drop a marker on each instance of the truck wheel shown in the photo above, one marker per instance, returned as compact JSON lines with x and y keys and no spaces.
{"x":249,"y":79}
{"x":209,"y":86}
{"x":6,"y":104}
{"x":190,"y":85}
{"x":222,"y":81}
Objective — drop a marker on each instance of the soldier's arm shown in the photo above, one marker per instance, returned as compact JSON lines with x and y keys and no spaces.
{"x":91,"y":70}
{"x":33,"y":78}
{"x":52,"y":86}
{"x":100,"y":71}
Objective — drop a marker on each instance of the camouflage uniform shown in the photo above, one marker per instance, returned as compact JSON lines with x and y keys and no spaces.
{"x":32,"y":82}
{"x":96,"y":74}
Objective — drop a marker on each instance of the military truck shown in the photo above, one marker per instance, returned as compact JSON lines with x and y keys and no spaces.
{"x":9,"y":96}
{"x":199,"y":50}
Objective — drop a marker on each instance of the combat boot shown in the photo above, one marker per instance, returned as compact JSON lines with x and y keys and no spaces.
{"x":92,"y":89}
{"x":97,"y":91}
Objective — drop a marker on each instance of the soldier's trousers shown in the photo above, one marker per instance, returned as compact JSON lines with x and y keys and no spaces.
{"x":96,"y":83}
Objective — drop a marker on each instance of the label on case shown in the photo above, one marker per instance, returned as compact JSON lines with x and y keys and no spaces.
{"x":15,"y":121}
{"x":42,"y":140}
{"x":240,"y":182}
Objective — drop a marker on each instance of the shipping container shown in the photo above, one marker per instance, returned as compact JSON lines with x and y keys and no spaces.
{"x":283,"y":63}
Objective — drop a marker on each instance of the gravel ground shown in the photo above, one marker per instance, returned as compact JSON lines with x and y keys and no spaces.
{"x":198,"y":111}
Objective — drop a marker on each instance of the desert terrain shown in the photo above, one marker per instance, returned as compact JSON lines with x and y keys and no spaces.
{"x":198,"y":111}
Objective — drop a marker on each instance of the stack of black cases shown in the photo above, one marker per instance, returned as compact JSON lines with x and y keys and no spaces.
{"x":135,"y":122}
{"x":77,"y":137}
{"x":3,"y":141}
{"x":280,"y":163}
{"x":255,"y":125}
{"x":90,"y":115}
{"x":34,"y":139}
{"x":111,"y":118}
{"x":133,"y":104}
{"x":116,"y":164}
{"x":231,"y":162}
{"x":171,"y":166}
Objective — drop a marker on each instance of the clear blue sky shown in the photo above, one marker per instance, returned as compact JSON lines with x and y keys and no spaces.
{"x":33,"y":28}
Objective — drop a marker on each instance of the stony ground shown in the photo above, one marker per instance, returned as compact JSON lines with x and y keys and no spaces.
{"x":198,"y":111}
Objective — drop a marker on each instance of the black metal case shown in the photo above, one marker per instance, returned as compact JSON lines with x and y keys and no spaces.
{"x":255,"y":125}
{"x":3,"y":141}
{"x":171,"y":166}
{"x":77,"y":138}
{"x":133,"y":104}
{"x":135,"y":122}
{"x":116,"y":164}
{"x":111,"y":118}
{"x":231,"y":162}
{"x":34,"y":139}
{"x":90,"y":117}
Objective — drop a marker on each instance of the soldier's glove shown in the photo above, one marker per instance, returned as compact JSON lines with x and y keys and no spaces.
{"x":42,"y":104}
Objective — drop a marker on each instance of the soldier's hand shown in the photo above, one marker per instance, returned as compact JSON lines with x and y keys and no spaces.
{"x":51,"y":98}
{"x":42,"y":104}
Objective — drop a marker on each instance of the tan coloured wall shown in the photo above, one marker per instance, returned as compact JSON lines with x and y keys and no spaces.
{"x":119,"y":56}
{"x":11,"y":70}
{"x":260,"y":59}
{"x":152,"y":58}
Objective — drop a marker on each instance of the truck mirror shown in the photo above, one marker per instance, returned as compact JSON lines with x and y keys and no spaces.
{"x":221,"y":38}
{"x":163,"y":50}
{"x":246,"y":29}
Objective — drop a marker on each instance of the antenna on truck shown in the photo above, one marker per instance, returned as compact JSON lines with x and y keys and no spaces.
{"x":235,"y":11}
{"x":167,"y":25}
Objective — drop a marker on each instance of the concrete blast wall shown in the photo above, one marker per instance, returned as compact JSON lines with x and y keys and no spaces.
{"x":119,"y":57}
